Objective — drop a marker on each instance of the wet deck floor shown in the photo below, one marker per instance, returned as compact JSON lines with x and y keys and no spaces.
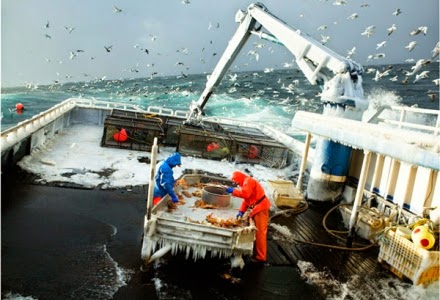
{"x":50,"y":237}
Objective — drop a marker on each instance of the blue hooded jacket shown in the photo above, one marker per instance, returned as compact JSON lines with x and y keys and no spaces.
{"x":164,"y":176}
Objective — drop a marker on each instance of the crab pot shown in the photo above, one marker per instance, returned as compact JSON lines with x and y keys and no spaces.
{"x":264,"y":152}
{"x":140,"y":131}
{"x":198,"y":142}
{"x":172,"y":131}
{"x":216,"y":195}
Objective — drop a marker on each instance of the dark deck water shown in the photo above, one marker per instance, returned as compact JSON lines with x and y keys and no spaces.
{"x":53,"y":239}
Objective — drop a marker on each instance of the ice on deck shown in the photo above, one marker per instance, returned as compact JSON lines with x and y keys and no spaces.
{"x":413,"y":147}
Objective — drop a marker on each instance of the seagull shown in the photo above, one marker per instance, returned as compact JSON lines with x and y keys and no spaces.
{"x":393,"y":78}
{"x":351,"y":52}
{"x":384,"y":73}
{"x":72,"y":55}
{"x":416,"y":67}
{"x":340,"y":2}
{"x":324,"y":39}
{"x":381,"y":44}
{"x":397,"y":12}
{"x":436,"y":51}
{"x":47,"y":36}
{"x":47,"y":25}
{"x":411,"y":46}
{"x":421,"y":29}
{"x":369,"y":31}
{"x":255,"y":54}
{"x":392,"y":29}
{"x":376,"y":56}
{"x":108,"y":49}
{"x":420,"y":76}
{"x":116,"y":9}
{"x":436,"y":81}
{"x":70,"y":29}
{"x":353,"y":16}
{"x":322,"y":27}
{"x":153,"y":37}
{"x":186,"y":1}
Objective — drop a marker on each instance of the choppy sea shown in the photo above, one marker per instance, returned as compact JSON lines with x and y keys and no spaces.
{"x":271,"y":98}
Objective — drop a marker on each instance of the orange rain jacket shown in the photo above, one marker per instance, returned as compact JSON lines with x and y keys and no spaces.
{"x":252,"y":193}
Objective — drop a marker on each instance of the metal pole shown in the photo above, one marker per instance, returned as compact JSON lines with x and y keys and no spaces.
{"x":358,"y":199}
{"x":303,"y":162}
{"x":151,"y":183}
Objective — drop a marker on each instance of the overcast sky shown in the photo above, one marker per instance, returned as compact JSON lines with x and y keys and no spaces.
{"x":37,"y":37}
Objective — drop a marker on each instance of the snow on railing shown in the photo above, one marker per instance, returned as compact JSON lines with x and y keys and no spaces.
{"x":414,"y":124}
{"x":15,"y":134}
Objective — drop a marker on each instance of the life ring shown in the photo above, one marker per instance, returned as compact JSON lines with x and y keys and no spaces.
{"x":120,"y":136}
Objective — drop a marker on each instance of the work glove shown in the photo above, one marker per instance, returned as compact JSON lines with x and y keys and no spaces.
{"x":229,"y":190}
{"x":174,"y":199}
{"x":240,"y":214}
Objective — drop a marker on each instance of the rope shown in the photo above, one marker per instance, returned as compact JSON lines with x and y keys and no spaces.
{"x":304,"y":206}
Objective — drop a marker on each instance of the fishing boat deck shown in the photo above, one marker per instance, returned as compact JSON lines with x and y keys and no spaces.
{"x":283,"y":250}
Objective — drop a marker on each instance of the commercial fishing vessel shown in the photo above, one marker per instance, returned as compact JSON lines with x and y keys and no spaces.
{"x":387,"y":163}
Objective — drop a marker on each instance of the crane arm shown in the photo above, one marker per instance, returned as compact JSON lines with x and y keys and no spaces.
{"x":313,"y":58}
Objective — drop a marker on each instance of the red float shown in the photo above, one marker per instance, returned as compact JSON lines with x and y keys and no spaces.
{"x":253,"y":152}
{"x":121,"y":136}
{"x":19,"y":106}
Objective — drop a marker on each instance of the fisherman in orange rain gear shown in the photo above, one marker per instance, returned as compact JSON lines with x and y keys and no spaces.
{"x":254,"y":197}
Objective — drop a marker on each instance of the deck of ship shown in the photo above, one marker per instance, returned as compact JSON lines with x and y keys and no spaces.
{"x":283,"y":250}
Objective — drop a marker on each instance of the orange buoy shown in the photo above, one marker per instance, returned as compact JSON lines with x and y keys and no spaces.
{"x":19,"y":106}
{"x":121,"y":136}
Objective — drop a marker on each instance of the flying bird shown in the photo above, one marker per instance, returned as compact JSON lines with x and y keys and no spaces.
{"x":420,"y":76}
{"x":421,"y":29}
{"x":340,"y":2}
{"x":47,"y":25}
{"x":353,"y":16}
{"x":397,"y":12}
{"x":324,"y":39}
{"x":369,"y":31}
{"x":108,"y":49}
{"x":391,"y":29}
{"x":70,"y":29}
{"x":411,"y":46}
{"x":381,"y":44}
{"x":436,"y":51}
{"x":351,"y":52}
{"x":436,"y":81}
{"x":72,"y":55}
{"x":47,"y":36}
{"x":376,"y":56}
{"x":116,"y":9}
{"x":322,"y":27}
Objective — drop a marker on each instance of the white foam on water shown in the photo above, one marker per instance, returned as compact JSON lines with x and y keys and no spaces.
{"x":12,"y":296}
{"x":364,"y":288}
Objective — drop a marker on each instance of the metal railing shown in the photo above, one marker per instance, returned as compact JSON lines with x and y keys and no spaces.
{"x":15,"y":134}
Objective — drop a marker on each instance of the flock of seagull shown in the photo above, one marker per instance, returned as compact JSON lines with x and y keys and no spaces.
{"x":416,"y":70}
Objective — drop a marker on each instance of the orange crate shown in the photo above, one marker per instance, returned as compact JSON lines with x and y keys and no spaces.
{"x":408,"y":260}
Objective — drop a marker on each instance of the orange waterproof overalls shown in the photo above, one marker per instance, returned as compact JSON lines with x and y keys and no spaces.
{"x":254,"y":197}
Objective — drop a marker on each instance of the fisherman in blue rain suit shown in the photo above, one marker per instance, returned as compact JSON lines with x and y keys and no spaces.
{"x":165,"y":180}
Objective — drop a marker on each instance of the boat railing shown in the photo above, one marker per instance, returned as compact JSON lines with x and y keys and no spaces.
{"x":405,"y":121}
{"x":21,"y":130}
